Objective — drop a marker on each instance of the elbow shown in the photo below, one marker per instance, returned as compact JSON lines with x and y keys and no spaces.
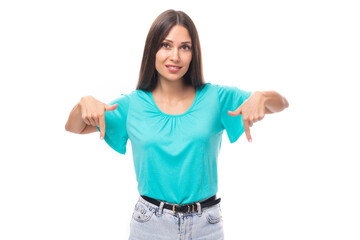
{"x":69,"y":129}
{"x":275,"y":102}
{"x":66,"y":127}
{"x":285,"y":102}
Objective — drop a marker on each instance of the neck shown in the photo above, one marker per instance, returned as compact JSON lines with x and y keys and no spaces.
{"x":171,"y":90}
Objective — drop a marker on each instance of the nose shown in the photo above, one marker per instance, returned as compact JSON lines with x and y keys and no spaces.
{"x":175,"y":55}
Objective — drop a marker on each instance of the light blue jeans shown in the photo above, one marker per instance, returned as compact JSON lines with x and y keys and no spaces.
{"x":151,"y":222}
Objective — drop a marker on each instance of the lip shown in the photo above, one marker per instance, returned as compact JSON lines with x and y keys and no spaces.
{"x":173,"y":70}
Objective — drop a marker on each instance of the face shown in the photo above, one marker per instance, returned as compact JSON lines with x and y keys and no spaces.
{"x":174,"y":56}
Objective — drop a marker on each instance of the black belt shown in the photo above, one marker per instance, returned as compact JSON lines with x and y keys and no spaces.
{"x":191,"y":207}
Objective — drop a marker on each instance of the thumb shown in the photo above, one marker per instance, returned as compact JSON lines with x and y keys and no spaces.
{"x":111,"y":108}
{"x":234,"y":113}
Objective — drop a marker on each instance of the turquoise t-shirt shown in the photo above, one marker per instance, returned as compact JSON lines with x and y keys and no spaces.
{"x":175,"y":156}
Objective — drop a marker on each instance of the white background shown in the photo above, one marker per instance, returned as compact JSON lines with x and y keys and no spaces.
{"x":298,"y":179}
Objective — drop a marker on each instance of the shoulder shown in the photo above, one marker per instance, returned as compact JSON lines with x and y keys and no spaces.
{"x":208,"y":87}
{"x":230,"y":93}
{"x":123,"y":100}
{"x":221,"y":88}
{"x":215,"y":89}
{"x":126,"y":97}
{"x":139,"y":98}
{"x":230,"y":90}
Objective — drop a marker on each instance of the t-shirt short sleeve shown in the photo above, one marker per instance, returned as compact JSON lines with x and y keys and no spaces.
{"x":116,"y":135}
{"x":230,"y":98}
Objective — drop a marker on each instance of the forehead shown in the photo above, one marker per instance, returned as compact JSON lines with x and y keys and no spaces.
{"x":178,"y":33}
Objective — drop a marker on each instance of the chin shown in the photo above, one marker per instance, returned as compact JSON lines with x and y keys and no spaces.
{"x":173,"y":78}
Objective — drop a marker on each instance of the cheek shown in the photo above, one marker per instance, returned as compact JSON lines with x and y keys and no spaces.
{"x":158,"y":60}
{"x":188,"y":59}
{"x":160,"y":56}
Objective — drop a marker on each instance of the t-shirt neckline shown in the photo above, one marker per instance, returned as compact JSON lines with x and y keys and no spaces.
{"x":175,"y":115}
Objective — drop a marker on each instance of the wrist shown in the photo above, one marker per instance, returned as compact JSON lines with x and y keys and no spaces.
{"x":263,"y":98}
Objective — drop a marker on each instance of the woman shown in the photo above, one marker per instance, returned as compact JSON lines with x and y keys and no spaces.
{"x":175,"y":123}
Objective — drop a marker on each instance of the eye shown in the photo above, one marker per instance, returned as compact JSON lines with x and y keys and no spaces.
{"x":165,"y":45}
{"x":186,"y":47}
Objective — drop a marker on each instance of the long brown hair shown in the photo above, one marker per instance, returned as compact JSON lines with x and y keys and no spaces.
{"x":159,"y":29}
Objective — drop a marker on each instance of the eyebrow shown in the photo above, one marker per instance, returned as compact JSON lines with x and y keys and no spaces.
{"x":181,"y":43}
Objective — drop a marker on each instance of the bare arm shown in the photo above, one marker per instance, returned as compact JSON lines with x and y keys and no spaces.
{"x":88,"y":114}
{"x":75,"y":123}
{"x":274,"y":102}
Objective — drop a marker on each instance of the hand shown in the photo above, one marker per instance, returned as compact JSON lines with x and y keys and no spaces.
{"x":252,"y":110}
{"x":93,"y":112}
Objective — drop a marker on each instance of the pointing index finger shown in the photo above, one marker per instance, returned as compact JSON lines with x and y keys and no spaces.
{"x":247,"y":131}
{"x":102,"y":119}
{"x":102,"y":127}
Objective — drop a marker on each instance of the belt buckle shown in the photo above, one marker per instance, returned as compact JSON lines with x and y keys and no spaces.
{"x":190,"y":208}
{"x":173,"y":208}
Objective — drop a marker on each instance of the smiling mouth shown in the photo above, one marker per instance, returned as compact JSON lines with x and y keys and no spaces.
{"x":172,"y":67}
